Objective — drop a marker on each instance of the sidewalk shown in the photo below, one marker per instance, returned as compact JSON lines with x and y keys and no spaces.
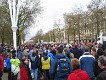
{"x":5,"y":76}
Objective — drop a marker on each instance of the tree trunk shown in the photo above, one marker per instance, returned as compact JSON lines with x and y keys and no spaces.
{"x":18,"y":37}
{"x":2,"y":37}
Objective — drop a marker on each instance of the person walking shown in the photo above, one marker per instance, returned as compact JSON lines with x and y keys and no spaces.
{"x":77,"y":73}
{"x":77,"y":52}
{"x":45,"y":60}
{"x":1,"y":65}
{"x":34,"y":65}
{"x":87,"y":62}
{"x":102,"y":65}
{"x":25,"y":73}
{"x":60,"y":67}
{"x":15,"y":66}
{"x":8,"y":65}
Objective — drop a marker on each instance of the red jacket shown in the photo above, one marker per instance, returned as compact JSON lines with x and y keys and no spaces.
{"x":78,"y":75}
{"x":1,"y":63}
{"x":25,"y":73}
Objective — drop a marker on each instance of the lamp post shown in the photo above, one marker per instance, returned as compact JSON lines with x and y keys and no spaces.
{"x":14,"y":12}
{"x":64,"y":34}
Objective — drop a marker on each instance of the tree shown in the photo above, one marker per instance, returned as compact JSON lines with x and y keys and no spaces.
{"x":28,"y":12}
{"x":96,"y":9}
{"x":5,"y":27}
{"x":39,"y":35}
{"x":57,"y":30}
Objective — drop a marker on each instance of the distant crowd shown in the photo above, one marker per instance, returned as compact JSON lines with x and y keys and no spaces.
{"x":54,"y":61}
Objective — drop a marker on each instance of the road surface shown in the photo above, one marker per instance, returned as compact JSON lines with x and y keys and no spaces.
{"x":5,"y":76}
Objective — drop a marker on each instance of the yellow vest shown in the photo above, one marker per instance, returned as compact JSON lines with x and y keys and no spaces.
{"x":45,"y":63}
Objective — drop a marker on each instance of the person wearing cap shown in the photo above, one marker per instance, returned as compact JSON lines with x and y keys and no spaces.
{"x":102,"y":65}
{"x":25,"y":73}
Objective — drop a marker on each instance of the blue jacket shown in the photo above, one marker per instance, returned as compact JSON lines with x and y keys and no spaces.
{"x":8,"y":64}
{"x":51,"y":56}
{"x":19,"y":54}
{"x":53,"y":68}
{"x":87,"y":62}
{"x":30,"y":53}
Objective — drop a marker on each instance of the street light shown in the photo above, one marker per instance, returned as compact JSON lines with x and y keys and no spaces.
{"x":14,"y":12}
{"x":64,"y":34}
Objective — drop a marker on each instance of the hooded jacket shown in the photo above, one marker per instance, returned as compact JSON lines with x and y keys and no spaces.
{"x":78,"y":75}
{"x":25,"y":73}
{"x":34,"y":62}
{"x":53,"y":68}
{"x":1,"y":63}
{"x":102,"y":75}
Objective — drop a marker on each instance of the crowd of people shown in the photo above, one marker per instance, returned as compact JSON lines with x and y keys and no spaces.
{"x":54,"y":62}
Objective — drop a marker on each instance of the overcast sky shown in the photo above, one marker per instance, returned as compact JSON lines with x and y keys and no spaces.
{"x":53,"y":11}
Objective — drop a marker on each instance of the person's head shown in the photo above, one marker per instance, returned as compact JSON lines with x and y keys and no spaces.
{"x":87,"y":49}
{"x":102,"y":62}
{"x":72,"y":55}
{"x":45,"y":54}
{"x":13,"y":51}
{"x":40,"y":51}
{"x":100,"y":52}
{"x":93,"y":49}
{"x":35,"y":49}
{"x":75,"y":63}
{"x":25,"y":60}
{"x":14,"y":56}
{"x":33,"y":54}
{"x":9,"y":54}
{"x":26,"y":51}
{"x":8,"y":50}
{"x":59,"y":50}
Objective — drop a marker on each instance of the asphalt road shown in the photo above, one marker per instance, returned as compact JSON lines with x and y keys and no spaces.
{"x":5,"y":76}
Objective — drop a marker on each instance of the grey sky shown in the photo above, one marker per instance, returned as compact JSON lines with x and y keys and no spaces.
{"x":53,"y":11}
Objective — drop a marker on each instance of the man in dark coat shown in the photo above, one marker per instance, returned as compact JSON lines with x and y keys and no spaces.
{"x":102,"y":65}
{"x":77,"y":52}
{"x":54,"y":73}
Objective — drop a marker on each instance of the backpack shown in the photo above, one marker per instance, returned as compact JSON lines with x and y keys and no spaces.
{"x":45,"y":63}
{"x":15,"y":67}
{"x":63,"y":67}
{"x":15,"y":70}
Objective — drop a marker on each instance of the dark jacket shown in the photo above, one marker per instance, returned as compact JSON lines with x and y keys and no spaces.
{"x":77,"y":53}
{"x":102,"y":75}
{"x":34,"y":62}
{"x":53,"y":68}
{"x":78,"y":75}
{"x":25,"y":73}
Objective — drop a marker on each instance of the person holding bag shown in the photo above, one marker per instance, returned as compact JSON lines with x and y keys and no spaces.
{"x":15,"y":67}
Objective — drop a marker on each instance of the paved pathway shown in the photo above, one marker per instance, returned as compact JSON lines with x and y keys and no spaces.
{"x":5,"y":76}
